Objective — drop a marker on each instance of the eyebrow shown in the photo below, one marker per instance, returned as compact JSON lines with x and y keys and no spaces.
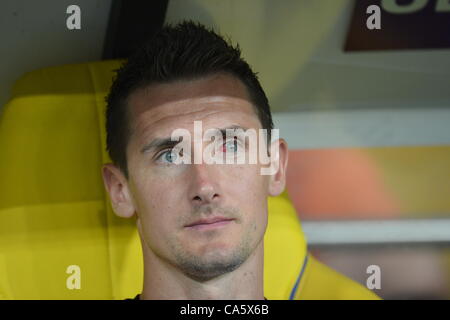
{"x":167,"y":143}
{"x":159,"y":144}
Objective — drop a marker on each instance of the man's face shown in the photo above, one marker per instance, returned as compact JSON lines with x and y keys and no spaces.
{"x":176,"y":204}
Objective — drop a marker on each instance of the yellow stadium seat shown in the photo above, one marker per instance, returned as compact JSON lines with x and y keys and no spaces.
{"x":54,"y":212}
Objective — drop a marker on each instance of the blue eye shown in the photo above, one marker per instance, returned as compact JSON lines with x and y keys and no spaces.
{"x":168,"y":156}
{"x":231,"y":145}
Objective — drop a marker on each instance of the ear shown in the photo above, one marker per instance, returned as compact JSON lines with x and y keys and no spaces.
{"x":117,"y":186}
{"x":279,"y":160}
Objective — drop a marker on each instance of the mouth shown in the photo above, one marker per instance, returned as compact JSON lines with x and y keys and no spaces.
{"x":208,"y":224}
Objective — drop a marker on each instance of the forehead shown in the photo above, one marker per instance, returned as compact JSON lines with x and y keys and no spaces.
{"x":217,"y":100}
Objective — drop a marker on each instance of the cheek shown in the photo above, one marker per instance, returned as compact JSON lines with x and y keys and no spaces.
{"x":247,"y":190}
{"x":156,"y":203}
{"x":247,"y":182}
{"x":158,"y":217}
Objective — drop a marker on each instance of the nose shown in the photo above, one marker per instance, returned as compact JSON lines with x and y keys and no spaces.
{"x":204,"y":188}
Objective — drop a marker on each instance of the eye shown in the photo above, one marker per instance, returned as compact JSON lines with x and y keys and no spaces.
{"x":230,"y":145}
{"x":167,"y":156}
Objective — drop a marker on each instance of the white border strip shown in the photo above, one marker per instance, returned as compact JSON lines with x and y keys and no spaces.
{"x":377,"y":232}
{"x":364,"y":128}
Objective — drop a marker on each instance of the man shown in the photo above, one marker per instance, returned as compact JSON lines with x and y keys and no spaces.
{"x":201,"y":225}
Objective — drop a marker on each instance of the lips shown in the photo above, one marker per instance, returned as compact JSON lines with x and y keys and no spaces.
{"x":209,"y":221}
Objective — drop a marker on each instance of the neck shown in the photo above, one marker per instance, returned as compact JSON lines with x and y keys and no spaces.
{"x":164,"y":281}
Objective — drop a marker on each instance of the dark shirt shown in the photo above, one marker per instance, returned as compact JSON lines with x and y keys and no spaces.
{"x":138,"y":297}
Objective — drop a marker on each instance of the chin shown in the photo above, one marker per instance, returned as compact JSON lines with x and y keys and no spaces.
{"x":204,"y":269}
